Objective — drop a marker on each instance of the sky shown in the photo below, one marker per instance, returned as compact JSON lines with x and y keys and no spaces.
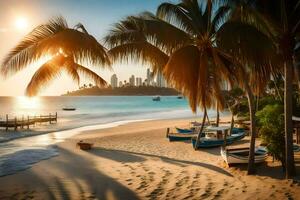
{"x":19,"y":17}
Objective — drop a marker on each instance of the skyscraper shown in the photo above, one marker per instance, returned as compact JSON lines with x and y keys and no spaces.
{"x":138,"y":81}
{"x":132,"y":80}
{"x":160,"y":81}
{"x":149,"y":79}
{"x":114,"y":81}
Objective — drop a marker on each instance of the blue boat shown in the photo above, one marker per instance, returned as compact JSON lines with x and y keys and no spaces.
{"x":237,"y":134}
{"x":180,"y":137}
{"x":185,"y":131}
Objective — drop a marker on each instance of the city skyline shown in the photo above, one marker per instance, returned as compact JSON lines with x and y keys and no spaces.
{"x":132,"y":80}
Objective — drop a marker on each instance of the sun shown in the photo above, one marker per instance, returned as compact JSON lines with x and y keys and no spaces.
{"x":21,"y":23}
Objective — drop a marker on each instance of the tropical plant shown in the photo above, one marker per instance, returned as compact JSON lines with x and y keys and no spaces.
{"x":271,"y":122}
{"x":66,"y":47}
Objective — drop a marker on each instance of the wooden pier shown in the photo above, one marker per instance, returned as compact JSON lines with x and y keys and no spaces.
{"x":27,"y":121}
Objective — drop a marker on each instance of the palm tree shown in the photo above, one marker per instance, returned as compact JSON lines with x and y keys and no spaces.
{"x":281,"y":21}
{"x":285,"y":18}
{"x":66,"y":48}
{"x":131,"y":38}
{"x":189,"y":35}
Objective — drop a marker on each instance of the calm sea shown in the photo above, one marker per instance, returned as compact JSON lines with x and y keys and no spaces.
{"x":96,"y":109}
{"x":97,"y":112}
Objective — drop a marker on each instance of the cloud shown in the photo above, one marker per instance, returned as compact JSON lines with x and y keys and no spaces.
{"x":3,"y":30}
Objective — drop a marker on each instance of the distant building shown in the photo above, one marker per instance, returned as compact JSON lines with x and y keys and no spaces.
{"x":149,"y":78}
{"x":132,"y":80}
{"x":120,"y":84}
{"x":114,"y":81}
{"x":138,"y":81}
{"x":160,"y":81}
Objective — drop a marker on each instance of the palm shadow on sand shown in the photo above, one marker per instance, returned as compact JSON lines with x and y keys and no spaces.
{"x":90,"y":183}
{"x":138,"y":157}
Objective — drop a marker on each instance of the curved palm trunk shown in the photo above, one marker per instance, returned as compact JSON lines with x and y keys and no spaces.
{"x":288,"y":112}
{"x":201,"y":128}
{"x":250,"y":96}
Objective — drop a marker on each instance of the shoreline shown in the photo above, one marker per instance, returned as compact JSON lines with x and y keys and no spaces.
{"x":136,"y":161}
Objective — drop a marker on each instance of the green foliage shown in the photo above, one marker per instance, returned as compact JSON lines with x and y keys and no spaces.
{"x":267,"y":100}
{"x":271,"y":122}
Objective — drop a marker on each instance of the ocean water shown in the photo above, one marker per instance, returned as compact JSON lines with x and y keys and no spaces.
{"x":94,"y":109}
{"x":93,"y":112}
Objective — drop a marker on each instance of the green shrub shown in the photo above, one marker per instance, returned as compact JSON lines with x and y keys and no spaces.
{"x":271,"y":123}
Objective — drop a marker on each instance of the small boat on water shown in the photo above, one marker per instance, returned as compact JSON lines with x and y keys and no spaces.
{"x":211,"y":139}
{"x":69,"y":109}
{"x":240,"y":155}
{"x":179,"y":97}
{"x":156,"y":98}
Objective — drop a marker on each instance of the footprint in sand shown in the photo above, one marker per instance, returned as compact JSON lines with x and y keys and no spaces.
{"x":159,"y":189}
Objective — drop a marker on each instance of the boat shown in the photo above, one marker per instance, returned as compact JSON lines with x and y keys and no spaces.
{"x":69,"y":109}
{"x":180,"y":137}
{"x":211,"y":140}
{"x":185,"y":130}
{"x":296,"y":148}
{"x":179,"y":97}
{"x":240,"y":155}
{"x":156,"y":98}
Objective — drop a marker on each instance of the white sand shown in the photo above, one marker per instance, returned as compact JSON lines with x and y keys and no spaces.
{"x":136,"y":161}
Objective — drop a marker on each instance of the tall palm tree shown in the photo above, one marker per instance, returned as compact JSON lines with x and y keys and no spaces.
{"x":66,"y":47}
{"x":189,"y":33}
{"x":284,"y":15}
{"x":281,"y":20}
{"x":146,"y":37}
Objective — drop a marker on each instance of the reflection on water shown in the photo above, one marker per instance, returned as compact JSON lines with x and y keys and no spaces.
{"x":27,"y":105}
{"x":24,"y":102}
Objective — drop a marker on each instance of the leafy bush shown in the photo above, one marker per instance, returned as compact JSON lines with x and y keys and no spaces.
{"x":271,"y":123}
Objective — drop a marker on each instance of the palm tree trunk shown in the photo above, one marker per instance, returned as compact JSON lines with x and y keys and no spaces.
{"x":201,"y":128}
{"x":250,"y":96}
{"x":208,"y":121}
{"x":218,"y":116}
{"x":288,"y":112}
{"x":231,"y":123}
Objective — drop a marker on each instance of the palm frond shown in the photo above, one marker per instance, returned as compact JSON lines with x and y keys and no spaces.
{"x":51,"y":38}
{"x":127,"y":30}
{"x":182,"y":72}
{"x":26,"y":51}
{"x":219,"y":18}
{"x":140,"y":51}
{"x":246,"y":42}
{"x":176,"y":15}
{"x":100,"y":82}
{"x":47,"y":72}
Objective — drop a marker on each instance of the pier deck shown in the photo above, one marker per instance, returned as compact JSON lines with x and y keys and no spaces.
{"x":26,"y":122}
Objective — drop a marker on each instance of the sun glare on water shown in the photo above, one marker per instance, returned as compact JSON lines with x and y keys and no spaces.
{"x":28,"y":103}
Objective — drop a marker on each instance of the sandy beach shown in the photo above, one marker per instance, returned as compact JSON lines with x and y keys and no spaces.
{"x":136,"y":161}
